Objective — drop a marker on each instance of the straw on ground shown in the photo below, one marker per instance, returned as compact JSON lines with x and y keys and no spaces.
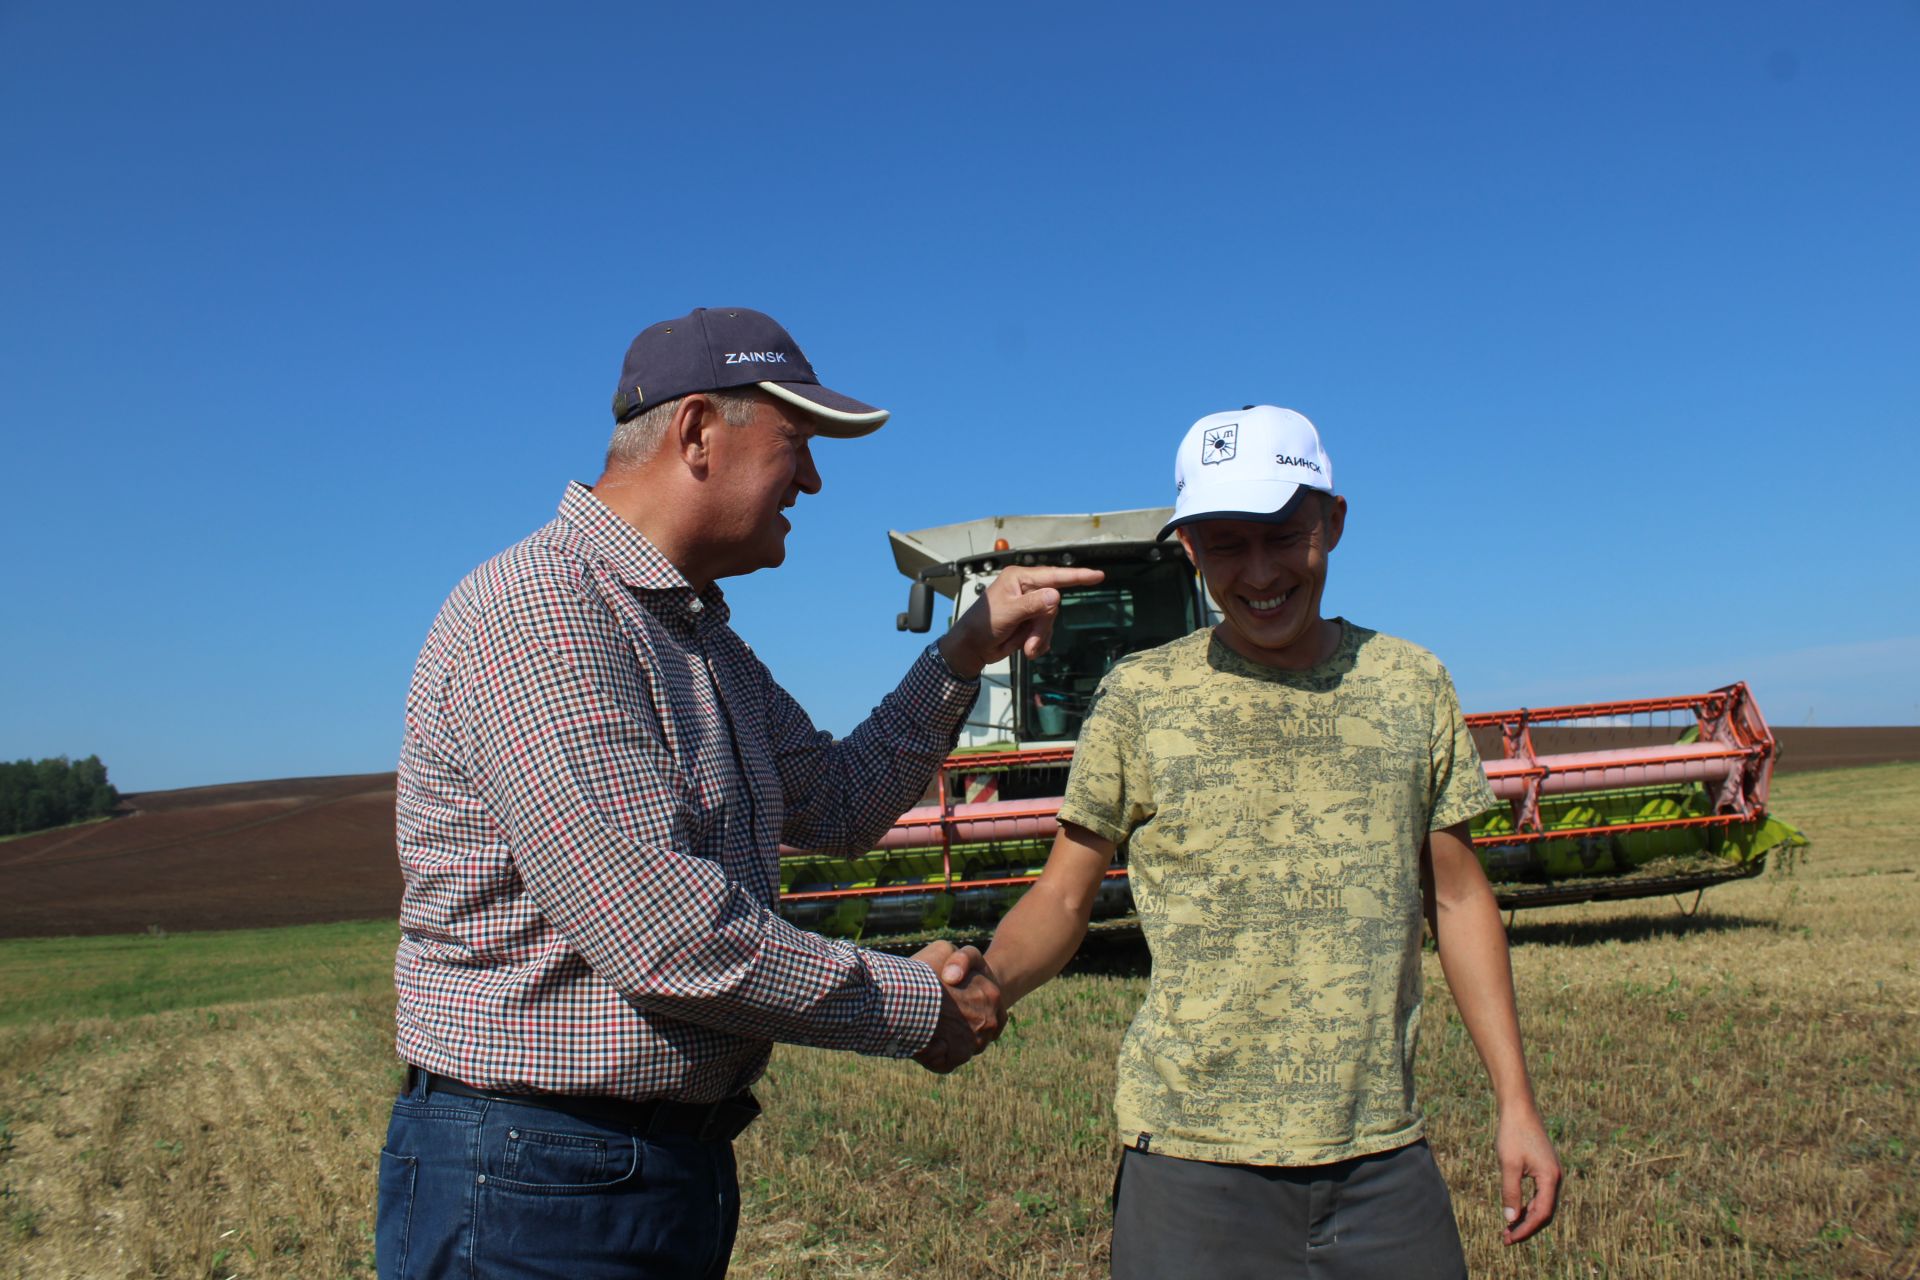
{"x":1733,"y":1095}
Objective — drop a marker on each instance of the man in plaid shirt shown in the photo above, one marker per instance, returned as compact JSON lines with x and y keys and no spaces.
{"x":596,"y":779}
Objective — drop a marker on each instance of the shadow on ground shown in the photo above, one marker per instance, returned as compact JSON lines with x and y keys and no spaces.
{"x":1120,"y":953}
{"x":1587,"y":933}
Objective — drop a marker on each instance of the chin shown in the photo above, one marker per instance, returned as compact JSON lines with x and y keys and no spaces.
{"x":1274,"y":634}
{"x":1279,"y":641}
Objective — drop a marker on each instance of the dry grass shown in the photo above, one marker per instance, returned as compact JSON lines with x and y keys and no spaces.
{"x":196,"y":1143}
{"x":1734,"y":1095}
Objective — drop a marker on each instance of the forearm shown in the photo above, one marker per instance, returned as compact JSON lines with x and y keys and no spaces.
{"x":842,"y":795}
{"x":1473,"y":952}
{"x":1044,"y":929}
{"x":1473,"y":955}
{"x":1034,"y":942}
{"x":594,"y":818}
{"x":679,"y":939}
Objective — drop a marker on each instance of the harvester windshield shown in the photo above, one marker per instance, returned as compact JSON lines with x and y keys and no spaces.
{"x":1139,"y":606}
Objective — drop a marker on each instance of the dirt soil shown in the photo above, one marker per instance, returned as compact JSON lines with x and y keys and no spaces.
{"x":307,"y":850}
{"x":247,"y":855}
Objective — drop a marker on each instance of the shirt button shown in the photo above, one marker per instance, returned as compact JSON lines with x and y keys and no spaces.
{"x":696,"y":606}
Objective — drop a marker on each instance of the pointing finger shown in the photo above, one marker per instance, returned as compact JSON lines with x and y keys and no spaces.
{"x":1031,"y":577}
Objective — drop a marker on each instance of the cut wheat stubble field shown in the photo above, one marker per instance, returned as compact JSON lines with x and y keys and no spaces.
{"x":1734,"y":1095}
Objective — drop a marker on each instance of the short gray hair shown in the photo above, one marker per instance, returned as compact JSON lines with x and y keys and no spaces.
{"x":636,"y":439}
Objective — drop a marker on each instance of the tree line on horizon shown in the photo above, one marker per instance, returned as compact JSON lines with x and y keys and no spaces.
{"x":37,"y":794}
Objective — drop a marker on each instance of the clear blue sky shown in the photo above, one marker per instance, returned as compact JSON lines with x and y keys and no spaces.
{"x":1610,"y":316}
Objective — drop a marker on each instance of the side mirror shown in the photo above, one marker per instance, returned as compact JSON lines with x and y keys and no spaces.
{"x":919,"y":614}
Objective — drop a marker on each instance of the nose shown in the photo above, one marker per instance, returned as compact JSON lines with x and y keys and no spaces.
{"x":1264,"y":569}
{"x":806,"y":477}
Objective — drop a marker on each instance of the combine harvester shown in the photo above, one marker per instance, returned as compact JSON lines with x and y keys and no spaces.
{"x":1604,"y":801}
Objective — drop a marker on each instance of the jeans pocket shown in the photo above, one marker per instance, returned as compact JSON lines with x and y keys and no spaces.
{"x":544,"y":1162}
{"x":394,"y":1217}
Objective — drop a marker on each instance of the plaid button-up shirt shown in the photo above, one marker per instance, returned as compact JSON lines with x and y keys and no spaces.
{"x":595,"y":783}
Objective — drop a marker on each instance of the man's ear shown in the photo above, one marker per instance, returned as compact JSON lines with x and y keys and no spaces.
{"x":1186,"y":543}
{"x":689,"y":434}
{"x":1336,"y":520}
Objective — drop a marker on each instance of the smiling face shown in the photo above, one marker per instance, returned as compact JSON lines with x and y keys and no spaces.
{"x":756,"y":471}
{"x":1268,"y":579}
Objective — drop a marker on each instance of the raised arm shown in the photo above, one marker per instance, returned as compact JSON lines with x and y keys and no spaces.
{"x":841,"y":795}
{"x":1473,"y":953}
{"x":1016,"y":612}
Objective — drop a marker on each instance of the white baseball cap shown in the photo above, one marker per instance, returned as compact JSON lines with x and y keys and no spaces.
{"x":1251,"y":464}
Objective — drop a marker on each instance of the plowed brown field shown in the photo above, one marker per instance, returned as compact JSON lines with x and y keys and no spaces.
{"x":307,"y":850}
{"x":252,"y":854}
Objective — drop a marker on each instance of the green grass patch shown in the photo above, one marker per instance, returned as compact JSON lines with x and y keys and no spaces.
{"x":125,"y":975}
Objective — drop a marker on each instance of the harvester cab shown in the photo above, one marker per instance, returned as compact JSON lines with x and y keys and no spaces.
{"x":1151,"y":595}
{"x":1601,"y":800}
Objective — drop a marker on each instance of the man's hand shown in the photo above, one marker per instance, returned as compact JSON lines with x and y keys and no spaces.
{"x":970,"y":1011}
{"x":1525,"y":1151}
{"x":1016,"y":612}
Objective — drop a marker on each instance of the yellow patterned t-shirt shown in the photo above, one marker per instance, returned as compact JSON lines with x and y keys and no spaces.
{"x":1272,"y":822}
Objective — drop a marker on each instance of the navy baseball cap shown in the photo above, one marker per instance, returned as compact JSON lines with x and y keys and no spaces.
{"x":718,"y":348}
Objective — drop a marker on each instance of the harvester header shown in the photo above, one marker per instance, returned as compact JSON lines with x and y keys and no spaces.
{"x":1603,"y":800}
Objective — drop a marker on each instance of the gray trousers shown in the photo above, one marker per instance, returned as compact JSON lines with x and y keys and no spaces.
{"x":1385,"y":1215}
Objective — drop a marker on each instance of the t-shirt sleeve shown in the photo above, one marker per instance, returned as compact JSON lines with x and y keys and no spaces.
{"x":1458,"y":785}
{"x":1107,"y":788}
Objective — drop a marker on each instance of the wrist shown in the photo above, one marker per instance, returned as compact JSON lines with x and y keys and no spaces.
{"x":960,"y":664}
{"x":1516,"y":1104}
{"x":910,"y":1000}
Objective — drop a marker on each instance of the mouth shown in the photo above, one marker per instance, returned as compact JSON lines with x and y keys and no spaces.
{"x":1269,"y":606}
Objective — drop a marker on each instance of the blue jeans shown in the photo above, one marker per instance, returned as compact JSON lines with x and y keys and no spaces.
{"x":487,"y":1190}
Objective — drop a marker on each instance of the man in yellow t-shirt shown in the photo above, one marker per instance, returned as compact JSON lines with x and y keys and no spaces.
{"x":1292,"y":790}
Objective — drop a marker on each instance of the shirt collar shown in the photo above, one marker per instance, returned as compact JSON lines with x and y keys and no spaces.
{"x":635,"y":560}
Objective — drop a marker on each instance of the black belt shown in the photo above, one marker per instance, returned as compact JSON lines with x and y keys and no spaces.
{"x":720,"y":1121}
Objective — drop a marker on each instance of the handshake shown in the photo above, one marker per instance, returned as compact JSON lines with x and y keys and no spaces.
{"x":971,"y":1013}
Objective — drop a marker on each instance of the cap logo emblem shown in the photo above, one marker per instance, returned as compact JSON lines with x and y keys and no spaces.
{"x":1219,"y":444}
{"x":756,"y":357}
